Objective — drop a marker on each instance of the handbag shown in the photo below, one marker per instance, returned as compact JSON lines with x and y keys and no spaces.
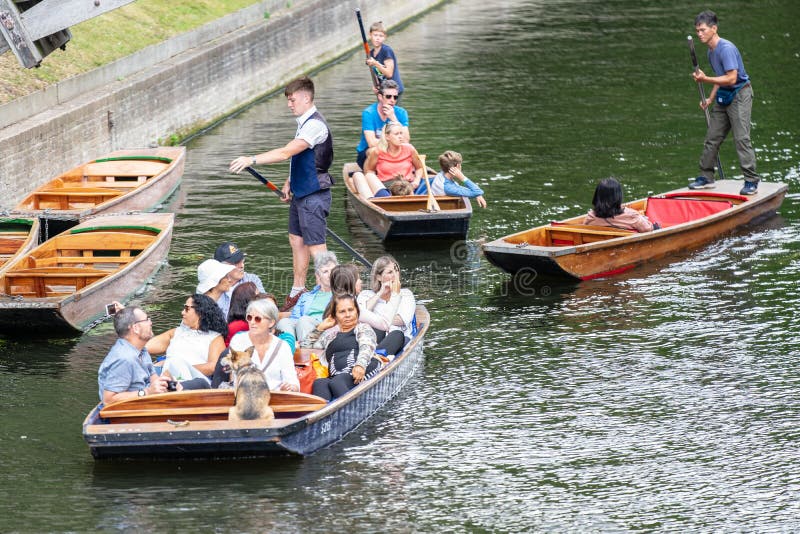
{"x":320,"y":370}
{"x":306,"y":375}
{"x":725,"y":95}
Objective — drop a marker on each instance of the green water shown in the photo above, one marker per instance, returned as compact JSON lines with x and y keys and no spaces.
{"x":666,"y":399}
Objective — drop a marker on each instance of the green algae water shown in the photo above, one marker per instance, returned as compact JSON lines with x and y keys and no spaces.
{"x":664,"y":399}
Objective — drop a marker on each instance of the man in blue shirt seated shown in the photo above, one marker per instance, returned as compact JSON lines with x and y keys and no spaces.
{"x":377,"y":115}
{"x":444,"y":182}
{"x":127,"y":371}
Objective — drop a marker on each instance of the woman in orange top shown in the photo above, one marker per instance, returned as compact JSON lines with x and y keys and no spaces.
{"x":393,"y":159}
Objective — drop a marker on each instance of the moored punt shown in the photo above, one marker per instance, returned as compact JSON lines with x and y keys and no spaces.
{"x":570,"y":249}
{"x":17,"y":236}
{"x":65,"y":283}
{"x":122,"y":181}
{"x":400,"y":217}
{"x":195,"y":424}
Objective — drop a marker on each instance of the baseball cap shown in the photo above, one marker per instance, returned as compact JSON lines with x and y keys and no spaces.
{"x":229,"y":252}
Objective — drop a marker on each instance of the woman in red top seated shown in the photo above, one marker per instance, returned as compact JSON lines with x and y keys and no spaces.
{"x":608,"y":210}
{"x":393,"y":159}
{"x":241,"y":297}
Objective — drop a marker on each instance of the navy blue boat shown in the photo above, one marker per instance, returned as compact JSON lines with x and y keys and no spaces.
{"x":194,"y":424}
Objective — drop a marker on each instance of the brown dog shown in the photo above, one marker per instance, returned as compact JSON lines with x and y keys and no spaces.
{"x":251,"y":391}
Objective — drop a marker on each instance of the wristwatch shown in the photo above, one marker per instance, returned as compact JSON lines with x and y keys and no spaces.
{"x":142,"y":393}
{"x":253,"y":162}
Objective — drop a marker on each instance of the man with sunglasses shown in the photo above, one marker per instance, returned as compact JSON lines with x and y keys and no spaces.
{"x":377,"y":115}
{"x":127,"y":371}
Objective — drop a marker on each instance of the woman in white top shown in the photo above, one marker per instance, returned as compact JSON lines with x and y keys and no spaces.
{"x":388,"y":306}
{"x":192,"y":349}
{"x":271,"y":354}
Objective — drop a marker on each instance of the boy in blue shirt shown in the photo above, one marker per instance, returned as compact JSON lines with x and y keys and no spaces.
{"x":444,"y":182}
{"x":382,"y":57}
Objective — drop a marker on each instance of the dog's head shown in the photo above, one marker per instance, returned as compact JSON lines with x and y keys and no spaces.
{"x":240,"y":358}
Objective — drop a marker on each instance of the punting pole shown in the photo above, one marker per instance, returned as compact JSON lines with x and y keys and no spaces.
{"x":703,"y":97}
{"x":331,"y":233}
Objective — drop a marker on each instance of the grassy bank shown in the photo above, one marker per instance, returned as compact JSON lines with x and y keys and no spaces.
{"x":109,"y":37}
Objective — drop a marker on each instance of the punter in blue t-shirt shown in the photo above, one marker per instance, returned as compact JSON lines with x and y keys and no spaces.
{"x":732,"y":96}
{"x":382,"y":58}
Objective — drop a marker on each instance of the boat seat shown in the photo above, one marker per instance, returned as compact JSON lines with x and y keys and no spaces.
{"x":64,"y":261}
{"x":580,"y":234}
{"x":59,"y":199}
{"x":11,"y":245}
{"x":202,"y":405}
{"x":673,"y":211}
{"x":43,"y":282}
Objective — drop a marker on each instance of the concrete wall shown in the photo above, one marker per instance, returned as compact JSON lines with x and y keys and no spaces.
{"x":178,"y":85}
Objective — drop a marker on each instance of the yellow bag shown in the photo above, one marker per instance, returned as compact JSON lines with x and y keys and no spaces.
{"x":321,"y":370}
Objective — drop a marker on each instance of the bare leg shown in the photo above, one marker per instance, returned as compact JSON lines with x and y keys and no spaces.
{"x":374,"y":183}
{"x":300,"y":257}
{"x":361,"y":185}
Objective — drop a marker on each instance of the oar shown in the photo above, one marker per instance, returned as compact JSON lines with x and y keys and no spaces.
{"x":366,"y":47}
{"x":703,"y":97}
{"x":331,"y":233}
{"x":432,"y":205}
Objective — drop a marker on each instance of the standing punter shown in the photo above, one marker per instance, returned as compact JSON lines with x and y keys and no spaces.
{"x":732,"y":96}
{"x":311,"y":153}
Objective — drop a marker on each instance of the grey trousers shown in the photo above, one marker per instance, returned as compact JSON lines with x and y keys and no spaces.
{"x":734,"y":117}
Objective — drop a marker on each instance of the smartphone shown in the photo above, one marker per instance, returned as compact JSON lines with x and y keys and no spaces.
{"x":111,"y":309}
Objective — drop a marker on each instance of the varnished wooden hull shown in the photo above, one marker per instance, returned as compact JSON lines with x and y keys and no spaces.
{"x":17,"y":237}
{"x":613,"y":256}
{"x":45,"y":312}
{"x":106,"y":197}
{"x":301,"y":435}
{"x":406,"y":218}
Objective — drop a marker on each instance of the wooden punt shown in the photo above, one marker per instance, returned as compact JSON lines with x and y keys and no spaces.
{"x":569,"y":249}
{"x":17,"y":236}
{"x":194,"y":424}
{"x":119,"y":182}
{"x":404,"y":217}
{"x":65,"y":283}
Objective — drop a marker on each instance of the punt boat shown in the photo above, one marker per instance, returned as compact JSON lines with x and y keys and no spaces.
{"x":402,"y":217}
{"x":569,"y":249}
{"x":64,"y":284}
{"x":122,"y":181}
{"x":17,"y":236}
{"x":194,"y":424}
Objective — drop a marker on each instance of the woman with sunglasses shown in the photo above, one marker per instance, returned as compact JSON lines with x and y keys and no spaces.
{"x":271,"y":354}
{"x":349,"y":348}
{"x":193,"y":348}
{"x":392,"y":159}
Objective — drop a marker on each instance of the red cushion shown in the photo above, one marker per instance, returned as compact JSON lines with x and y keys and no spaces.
{"x":671,"y":211}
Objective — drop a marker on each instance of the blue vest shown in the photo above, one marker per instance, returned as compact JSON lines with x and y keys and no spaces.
{"x":309,"y":170}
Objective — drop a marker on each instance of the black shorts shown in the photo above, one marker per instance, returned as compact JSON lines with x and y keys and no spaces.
{"x":308,"y":217}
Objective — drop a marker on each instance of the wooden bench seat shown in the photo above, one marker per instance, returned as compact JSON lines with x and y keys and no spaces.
{"x":42,"y":282}
{"x":581,"y":234}
{"x":61,"y":261}
{"x":10,"y":245}
{"x":202,"y":405}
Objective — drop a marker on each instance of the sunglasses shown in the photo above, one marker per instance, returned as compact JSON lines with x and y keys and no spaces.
{"x":187,"y":307}
{"x":392,"y":97}
{"x":256,"y":318}
{"x":142,"y":320}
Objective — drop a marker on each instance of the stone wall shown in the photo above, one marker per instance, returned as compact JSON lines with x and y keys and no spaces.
{"x":193,"y":87}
